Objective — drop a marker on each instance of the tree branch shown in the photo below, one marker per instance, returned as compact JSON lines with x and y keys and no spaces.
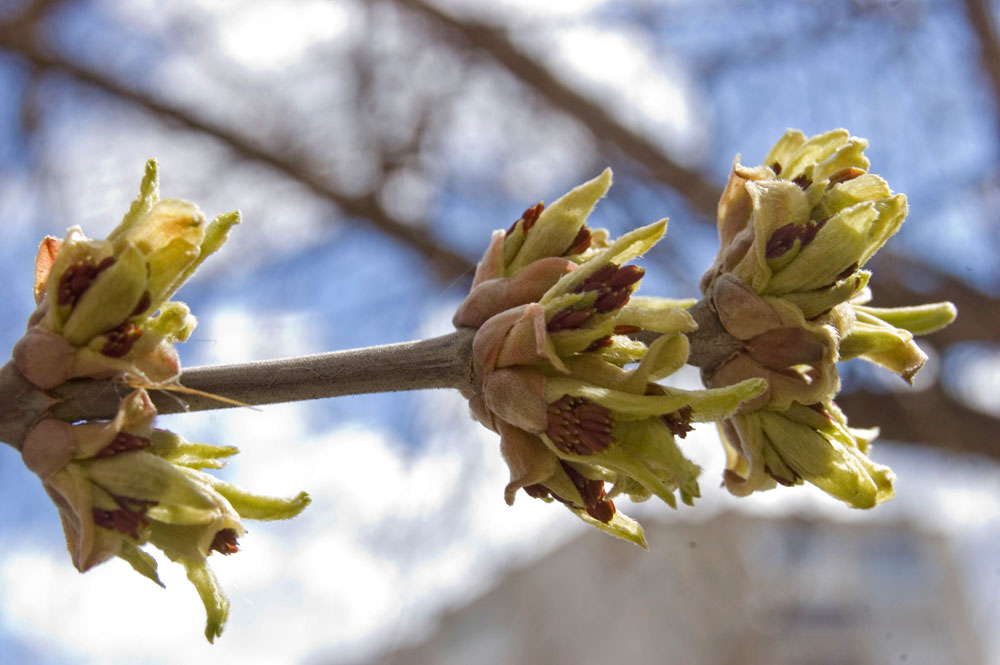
{"x":440,"y":362}
{"x":983,"y":26}
{"x":448,"y":263}
{"x":701,"y":193}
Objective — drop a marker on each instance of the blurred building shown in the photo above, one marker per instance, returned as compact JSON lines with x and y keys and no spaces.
{"x":734,"y":590}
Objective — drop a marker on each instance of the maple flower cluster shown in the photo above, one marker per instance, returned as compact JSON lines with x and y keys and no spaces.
{"x":567,"y":359}
{"x":560,"y":376}
{"x":104,"y":312}
{"x":789,"y":285}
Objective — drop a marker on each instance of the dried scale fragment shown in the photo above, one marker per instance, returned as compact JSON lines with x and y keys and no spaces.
{"x":788,"y":286}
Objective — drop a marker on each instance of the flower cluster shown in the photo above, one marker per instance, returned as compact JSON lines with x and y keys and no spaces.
{"x":103,"y":305}
{"x":555,"y":317}
{"x":121,"y":484}
{"x":103,"y":312}
{"x":789,"y":287}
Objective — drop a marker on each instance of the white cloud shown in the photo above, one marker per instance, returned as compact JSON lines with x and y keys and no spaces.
{"x":646,"y":90}
{"x":269,"y":35}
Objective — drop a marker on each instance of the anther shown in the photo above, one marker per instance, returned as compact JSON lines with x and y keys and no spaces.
{"x":803,"y":181}
{"x":579,"y":426}
{"x":843,"y":175}
{"x":123,"y":442}
{"x":78,"y":278}
{"x":580,"y":243}
{"x":679,"y":421}
{"x":120,"y":340}
{"x":626,"y":276}
{"x":570,"y":318}
{"x":225,"y":542}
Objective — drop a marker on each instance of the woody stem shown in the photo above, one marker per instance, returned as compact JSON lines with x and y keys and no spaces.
{"x":440,"y":362}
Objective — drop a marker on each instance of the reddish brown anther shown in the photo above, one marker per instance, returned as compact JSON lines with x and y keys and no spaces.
{"x":612,"y":300}
{"x":123,"y":442}
{"x":843,"y":175}
{"x":78,"y":278}
{"x":776,"y":167}
{"x":599,"y":343}
{"x":784,"y":238}
{"x":820,"y":409}
{"x":595,"y":500}
{"x":528,"y":218}
{"x":626,"y":276}
{"x":225,"y":542}
{"x":848,"y":271}
{"x":580,"y":243}
{"x":128,"y":518}
{"x":570,"y":318}
{"x":577,"y":425}
{"x":144,"y":302}
{"x":679,"y":421}
{"x":803,"y":181}
{"x":121,"y":340}
{"x":613,"y":286}
{"x":781,"y":480}
{"x":598,"y":279}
